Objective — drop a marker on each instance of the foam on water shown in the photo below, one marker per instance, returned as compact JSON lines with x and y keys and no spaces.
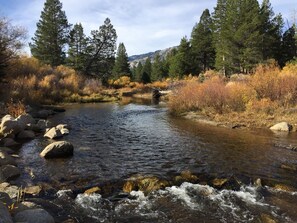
{"x":88,"y":201}
{"x":62,"y":193}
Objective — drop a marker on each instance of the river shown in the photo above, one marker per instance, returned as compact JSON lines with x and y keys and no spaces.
{"x":114,"y":142}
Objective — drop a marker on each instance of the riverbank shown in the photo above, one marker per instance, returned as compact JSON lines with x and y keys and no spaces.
{"x":244,"y":120}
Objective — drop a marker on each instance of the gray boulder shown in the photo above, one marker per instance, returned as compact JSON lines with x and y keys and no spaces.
{"x":9,"y":142}
{"x":5,"y":199}
{"x":8,"y":172}
{"x":34,"y":216}
{"x":10,"y":126}
{"x":25,"y":120}
{"x":6,"y":159}
{"x":4,"y":214}
{"x":26,"y":134}
{"x":57,"y":149}
{"x":44,"y":113}
{"x":283,"y":126}
{"x":53,"y":133}
{"x":43,"y":124}
{"x":11,"y":190}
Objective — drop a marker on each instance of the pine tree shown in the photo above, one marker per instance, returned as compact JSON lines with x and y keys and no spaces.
{"x":157,"y":69}
{"x":241,"y":37}
{"x":51,"y":36}
{"x":121,"y":66}
{"x":202,"y":44}
{"x":101,"y":51}
{"x":146,"y":71}
{"x":181,"y":63}
{"x":77,"y":52}
{"x":138,"y":73}
{"x":218,"y":27}
{"x":289,"y":46}
{"x":271,"y":28}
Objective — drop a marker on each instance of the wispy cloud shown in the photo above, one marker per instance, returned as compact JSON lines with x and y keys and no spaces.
{"x":143,"y":26}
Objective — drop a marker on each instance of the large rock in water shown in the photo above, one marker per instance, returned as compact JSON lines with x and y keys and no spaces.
{"x":34,"y":216}
{"x":57,"y":150}
{"x":283,"y":126}
{"x":53,"y":133}
{"x":10,"y":126}
{"x":26,"y":119}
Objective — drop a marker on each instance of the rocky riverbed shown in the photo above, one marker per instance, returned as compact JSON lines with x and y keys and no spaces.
{"x":52,"y":201}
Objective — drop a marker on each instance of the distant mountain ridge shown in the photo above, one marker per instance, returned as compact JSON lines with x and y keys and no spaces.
{"x":141,"y":58}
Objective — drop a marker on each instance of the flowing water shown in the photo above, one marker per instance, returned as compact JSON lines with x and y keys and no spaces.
{"x":114,"y":142}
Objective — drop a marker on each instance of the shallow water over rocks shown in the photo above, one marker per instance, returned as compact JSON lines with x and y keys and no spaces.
{"x":114,"y":142}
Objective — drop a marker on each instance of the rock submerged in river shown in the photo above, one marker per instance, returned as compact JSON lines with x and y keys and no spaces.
{"x":57,"y":150}
{"x":282,"y":126}
{"x":231,"y":183}
{"x":8,"y":172}
{"x":4,"y":214}
{"x":145,"y":184}
{"x":34,"y":216}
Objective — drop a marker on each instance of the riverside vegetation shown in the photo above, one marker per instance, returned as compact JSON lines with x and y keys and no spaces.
{"x":258,"y":100}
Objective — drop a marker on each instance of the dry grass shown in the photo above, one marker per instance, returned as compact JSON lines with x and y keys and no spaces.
{"x":267,"y":94}
{"x":35,"y":83}
{"x":15,"y":108}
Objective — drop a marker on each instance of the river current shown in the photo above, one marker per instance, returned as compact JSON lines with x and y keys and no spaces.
{"x":114,"y":142}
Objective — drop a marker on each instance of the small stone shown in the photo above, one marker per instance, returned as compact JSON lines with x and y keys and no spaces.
{"x":53,"y":133}
{"x":258,"y":182}
{"x":33,"y":190}
{"x":284,"y":187}
{"x":289,"y":167}
{"x":265,"y":218}
{"x":93,"y":190}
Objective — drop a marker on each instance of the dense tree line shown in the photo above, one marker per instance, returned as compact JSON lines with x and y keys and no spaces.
{"x":234,"y":38}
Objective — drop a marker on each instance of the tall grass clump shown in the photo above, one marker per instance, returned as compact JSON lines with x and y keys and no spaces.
{"x":35,"y":83}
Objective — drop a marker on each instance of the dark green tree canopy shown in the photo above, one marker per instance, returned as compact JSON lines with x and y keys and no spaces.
{"x":181,"y":63}
{"x":157,"y":69}
{"x":202,"y":44}
{"x":101,"y":50}
{"x":121,"y":66}
{"x":77,"y":51}
{"x":271,"y":30}
{"x":146,"y":71}
{"x":51,"y":36}
{"x":289,"y":46}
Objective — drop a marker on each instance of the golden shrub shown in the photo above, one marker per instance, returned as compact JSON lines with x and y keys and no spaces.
{"x":264,"y":105}
{"x":239,"y":94}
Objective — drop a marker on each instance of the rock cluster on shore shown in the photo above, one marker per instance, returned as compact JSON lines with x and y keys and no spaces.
{"x":13,"y":132}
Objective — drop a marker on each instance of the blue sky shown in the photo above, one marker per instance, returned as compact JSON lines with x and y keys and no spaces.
{"x":143,"y":26}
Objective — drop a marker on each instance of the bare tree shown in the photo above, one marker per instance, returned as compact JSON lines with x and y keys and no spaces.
{"x":12,"y":39}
